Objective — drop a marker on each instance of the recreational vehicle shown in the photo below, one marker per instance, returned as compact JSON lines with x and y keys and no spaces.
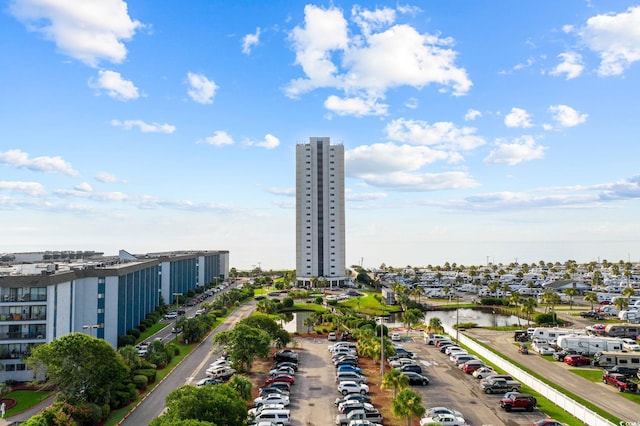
{"x":589,"y":345}
{"x":620,"y":359}
{"x":631,"y":331}
{"x":552,"y":334}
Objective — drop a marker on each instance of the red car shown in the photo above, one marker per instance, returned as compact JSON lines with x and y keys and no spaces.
{"x":547,"y":422}
{"x":576,"y":360}
{"x":471,"y":366}
{"x":281,"y":378}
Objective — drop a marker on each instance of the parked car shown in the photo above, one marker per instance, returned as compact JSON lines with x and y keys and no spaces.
{"x":620,"y":381}
{"x":416,"y":379}
{"x":352,"y":387}
{"x":350,"y":376}
{"x":548,"y":422}
{"x":353,"y":396}
{"x":293,"y":365}
{"x":519,"y":401}
{"x":272,"y":389}
{"x":208,"y":381}
{"x":395,"y":337}
{"x":345,"y":420}
{"x":415,"y":368}
{"x":282,"y":370}
{"x":559,"y":356}
{"x":443,"y":419}
{"x":399,"y":362}
{"x":500,"y":385}
{"x":332,"y":337}
{"x":472,"y":365}
{"x":273,"y":398}
{"x":483,"y":372}
{"x":576,"y":360}
{"x":349,"y":367}
{"x":286,"y":355}
{"x":171,"y":315}
{"x":442,"y":410}
{"x":281,"y":378}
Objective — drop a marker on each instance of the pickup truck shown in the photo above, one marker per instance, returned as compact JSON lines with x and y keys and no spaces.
{"x":500,"y":386}
{"x":619,"y":381}
{"x":345,"y":419}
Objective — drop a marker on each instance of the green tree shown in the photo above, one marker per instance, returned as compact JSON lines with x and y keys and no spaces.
{"x":241,"y":385}
{"x":628,"y":292}
{"x":309,"y":322}
{"x":435,"y":324}
{"x":245,"y":345}
{"x":571,"y":292}
{"x":220,"y":405}
{"x":591,"y":297}
{"x":84,"y":368}
{"x":412,"y":317}
{"x":408,"y":404}
{"x":130,"y":357}
{"x":515,"y":298}
{"x":529,"y":307}
{"x":621,"y":303}
{"x":395,"y":380}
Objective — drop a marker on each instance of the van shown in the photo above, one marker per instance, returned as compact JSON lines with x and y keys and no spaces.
{"x":279,"y":417}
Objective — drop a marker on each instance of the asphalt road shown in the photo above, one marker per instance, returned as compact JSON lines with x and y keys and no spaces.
{"x":189,"y":371}
{"x":604,"y":396}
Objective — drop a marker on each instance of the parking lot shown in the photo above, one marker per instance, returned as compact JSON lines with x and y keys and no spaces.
{"x":313,"y":395}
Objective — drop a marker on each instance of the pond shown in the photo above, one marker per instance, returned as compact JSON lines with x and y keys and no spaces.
{"x":481,"y":317}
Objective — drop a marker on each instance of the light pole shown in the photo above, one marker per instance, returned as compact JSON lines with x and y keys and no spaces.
{"x":91,"y":328}
{"x":457,"y":316}
{"x":177,"y":296}
{"x":381,"y":347}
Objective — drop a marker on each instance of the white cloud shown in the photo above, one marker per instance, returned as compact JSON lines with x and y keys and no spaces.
{"x":383,"y":158}
{"x":202,"y":90}
{"x":330,"y":58}
{"x":83,"y":187}
{"x":365,"y":196}
{"x":401,"y":181}
{"x":88,"y":30}
{"x":571,"y":65}
{"x":566,"y":116}
{"x":522,"y":149}
{"x":87,"y":193}
{"x":250,"y":40}
{"x":269,"y":142}
{"x":518,"y":118}
{"x":411,"y":103}
{"x":288,"y":192}
{"x":472,"y":114}
{"x":144,"y":127}
{"x":444,"y":135}
{"x":615,"y":37}
{"x":20,"y":159}
{"x":115,"y":86}
{"x":370,"y":20}
{"x":28,"y":188}
{"x":219,"y":138}
{"x":357,"y":107}
{"x":108,"y":178}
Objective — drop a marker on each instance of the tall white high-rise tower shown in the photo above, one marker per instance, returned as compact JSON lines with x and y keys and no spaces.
{"x":320,"y":235}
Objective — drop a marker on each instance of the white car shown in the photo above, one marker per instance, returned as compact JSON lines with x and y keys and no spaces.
{"x":395,"y":337}
{"x":443,"y":419}
{"x":397,"y":363}
{"x":483,"y":372}
{"x":630,"y":345}
{"x":255,"y":411}
{"x":171,"y":315}
{"x":282,"y":370}
{"x":441,"y":410}
{"x":544,"y":350}
{"x":272,"y":398}
{"x":352,"y":387}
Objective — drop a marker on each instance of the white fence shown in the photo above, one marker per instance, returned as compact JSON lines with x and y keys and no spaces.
{"x":572,"y":407}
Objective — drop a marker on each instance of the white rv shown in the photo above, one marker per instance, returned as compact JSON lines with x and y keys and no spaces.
{"x":620,"y":359}
{"x":589,"y":345}
{"x":551,"y":334}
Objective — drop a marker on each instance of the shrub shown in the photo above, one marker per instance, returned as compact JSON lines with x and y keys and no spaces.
{"x":287,"y":302}
{"x":142,"y":327}
{"x":126,"y":340}
{"x":149,"y":373}
{"x":134,"y":332}
{"x":106,"y":410}
{"x":318,"y":300}
{"x":140,"y":381}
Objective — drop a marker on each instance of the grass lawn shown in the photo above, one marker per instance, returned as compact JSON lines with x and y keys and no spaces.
{"x":25,"y":399}
{"x":591,"y":375}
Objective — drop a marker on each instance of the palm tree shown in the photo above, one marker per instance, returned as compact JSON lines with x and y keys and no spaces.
{"x":408,"y":404}
{"x":620,"y":303}
{"x":416,"y":293}
{"x":493,"y":288}
{"x":242,"y":385}
{"x":629,"y":292}
{"x":309,"y":322}
{"x":395,"y":380}
{"x":591,"y":297}
{"x":528,"y":308}
{"x":435,"y":324}
{"x":571,"y":292}
{"x":515,"y":299}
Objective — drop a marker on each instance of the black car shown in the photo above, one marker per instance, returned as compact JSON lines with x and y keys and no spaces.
{"x":285,"y":386}
{"x":403,"y":353}
{"x":353,"y":397}
{"x":626,"y":371}
{"x":346,"y":361}
{"x":559,"y":356}
{"x":414,"y":368}
{"x":416,"y":379}
{"x":286,"y":355}
{"x":273,"y":389}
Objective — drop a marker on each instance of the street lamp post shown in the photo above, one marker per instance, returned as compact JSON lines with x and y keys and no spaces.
{"x":381,"y":347}
{"x":457,"y":317}
{"x":177,"y":296}
{"x":91,"y":328}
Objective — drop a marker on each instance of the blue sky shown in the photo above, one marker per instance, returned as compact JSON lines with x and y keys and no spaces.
{"x":473,"y":131}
